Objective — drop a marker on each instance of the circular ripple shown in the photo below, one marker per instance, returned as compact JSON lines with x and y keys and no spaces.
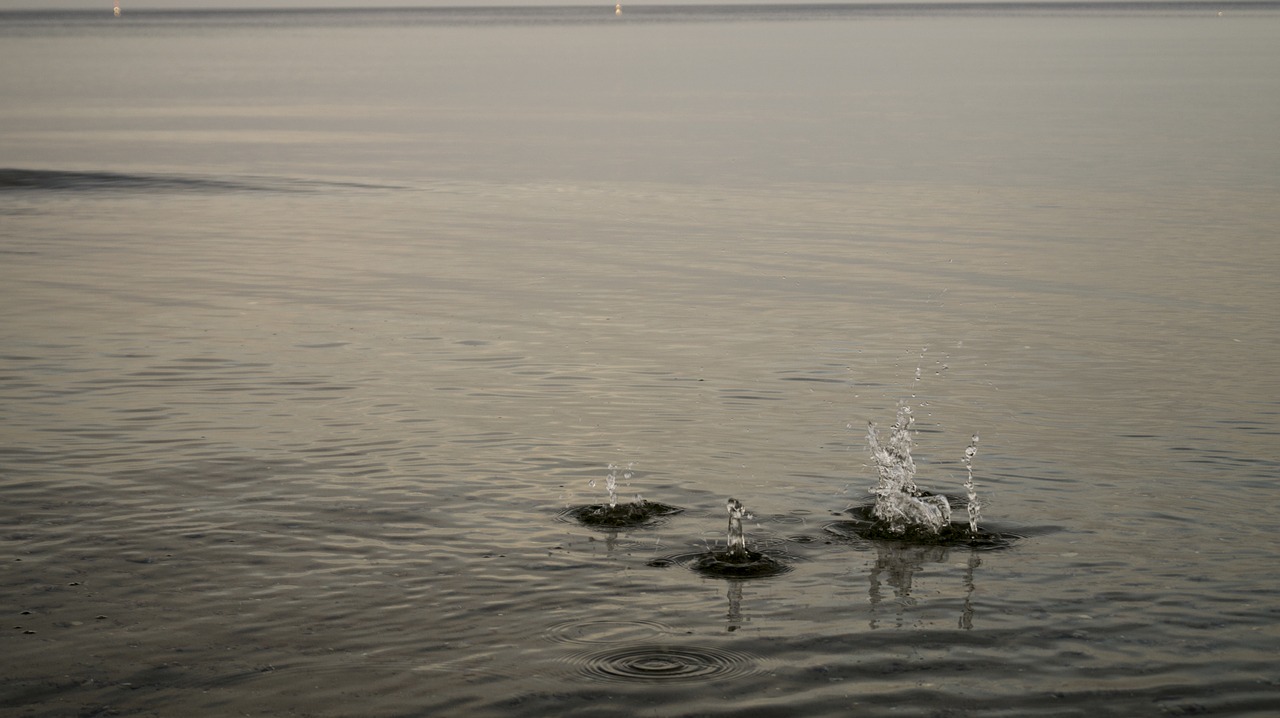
{"x":718,"y":564}
{"x":627,"y":515}
{"x":785,"y":519}
{"x":599,"y":632}
{"x":722,"y":565}
{"x":666,"y":664}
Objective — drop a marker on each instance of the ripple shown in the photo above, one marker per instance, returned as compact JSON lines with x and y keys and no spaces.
{"x":718,"y":564}
{"x":785,"y":519}
{"x":598,"y":632}
{"x":626,"y":515}
{"x":666,"y":664}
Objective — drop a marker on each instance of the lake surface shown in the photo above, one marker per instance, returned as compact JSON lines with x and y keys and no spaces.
{"x":314,"y":323}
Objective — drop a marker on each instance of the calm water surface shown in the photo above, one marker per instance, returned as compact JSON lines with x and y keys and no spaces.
{"x":313,"y":323}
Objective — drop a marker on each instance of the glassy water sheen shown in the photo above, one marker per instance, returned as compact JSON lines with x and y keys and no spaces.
{"x":316,"y":323}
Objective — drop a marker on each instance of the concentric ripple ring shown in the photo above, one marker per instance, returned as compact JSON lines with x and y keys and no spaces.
{"x":664,"y":663}
{"x":602,"y":632}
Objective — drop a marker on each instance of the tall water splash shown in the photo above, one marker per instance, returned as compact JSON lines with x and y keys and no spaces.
{"x":971,"y":451}
{"x":902,"y":511}
{"x":736,"y":561}
{"x":737,"y":540}
{"x":900,"y":505}
{"x":611,"y":484}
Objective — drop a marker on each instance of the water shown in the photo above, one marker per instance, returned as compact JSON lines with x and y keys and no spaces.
{"x":735,"y":538}
{"x":613,"y":515}
{"x":903,"y":512}
{"x":900,"y":504}
{"x":314,"y":324}
{"x":737,"y":560}
{"x":972,"y":507}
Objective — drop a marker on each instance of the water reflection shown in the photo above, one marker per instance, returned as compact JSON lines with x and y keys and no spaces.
{"x":610,"y":541}
{"x":734,"y":616}
{"x":896,"y":566}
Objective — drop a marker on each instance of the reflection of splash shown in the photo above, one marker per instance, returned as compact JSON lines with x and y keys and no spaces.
{"x":896,"y":565}
{"x":966,"y":614}
{"x":734,"y":594}
{"x":610,"y":541}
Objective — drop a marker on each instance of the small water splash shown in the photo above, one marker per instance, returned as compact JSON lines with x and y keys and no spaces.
{"x":615,"y":515}
{"x":611,"y":484}
{"x":737,"y":560}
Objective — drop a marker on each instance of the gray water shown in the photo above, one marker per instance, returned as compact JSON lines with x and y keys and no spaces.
{"x":314,"y":324}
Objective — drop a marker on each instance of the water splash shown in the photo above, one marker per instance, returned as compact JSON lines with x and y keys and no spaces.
{"x":614,"y":515}
{"x":611,"y":483}
{"x":903,"y":511}
{"x":971,"y":451}
{"x":737,"y":560}
{"x":900,"y":505}
{"x":737,"y":540}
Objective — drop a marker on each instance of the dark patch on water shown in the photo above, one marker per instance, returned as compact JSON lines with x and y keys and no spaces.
{"x":754,"y":564}
{"x":68,"y":181}
{"x":721,"y":564}
{"x":864,"y":525}
{"x":629,"y":515}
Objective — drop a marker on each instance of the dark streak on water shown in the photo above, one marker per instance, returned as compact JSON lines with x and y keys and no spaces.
{"x":63,"y":181}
